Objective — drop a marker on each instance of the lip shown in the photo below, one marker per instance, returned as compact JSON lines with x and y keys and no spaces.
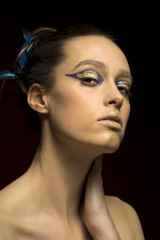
{"x":111,"y":120}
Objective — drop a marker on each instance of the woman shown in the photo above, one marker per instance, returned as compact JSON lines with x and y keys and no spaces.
{"x":76,"y":82}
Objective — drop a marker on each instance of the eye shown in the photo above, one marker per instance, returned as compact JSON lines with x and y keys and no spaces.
{"x":88,"y":77}
{"x":124,"y":87}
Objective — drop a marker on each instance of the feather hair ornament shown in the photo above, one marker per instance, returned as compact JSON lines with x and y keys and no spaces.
{"x":7,"y":74}
{"x":25,"y":55}
{"x":24,"y":58}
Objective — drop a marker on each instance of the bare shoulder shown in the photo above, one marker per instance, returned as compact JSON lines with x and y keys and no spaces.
{"x":8,"y":198}
{"x":125,"y":219}
{"x":6,"y":226}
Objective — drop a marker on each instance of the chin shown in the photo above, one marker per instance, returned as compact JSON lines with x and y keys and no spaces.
{"x":101,"y":148}
{"x":110,"y":145}
{"x":109,"y":148}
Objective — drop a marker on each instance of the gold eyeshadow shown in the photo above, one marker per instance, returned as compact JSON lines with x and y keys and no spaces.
{"x":88,"y":75}
{"x":124,"y":87}
{"x":92,"y":78}
{"x":124,"y":84}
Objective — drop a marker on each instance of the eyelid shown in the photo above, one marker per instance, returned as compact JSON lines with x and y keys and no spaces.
{"x":124,"y":83}
{"x":88,"y":73}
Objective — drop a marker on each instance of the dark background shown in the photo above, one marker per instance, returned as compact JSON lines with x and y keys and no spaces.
{"x":132,"y":173}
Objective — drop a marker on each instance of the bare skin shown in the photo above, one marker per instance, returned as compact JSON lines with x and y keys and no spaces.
{"x":61,"y":194}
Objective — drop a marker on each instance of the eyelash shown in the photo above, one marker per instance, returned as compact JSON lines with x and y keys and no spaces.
{"x":122,"y":85}
{"x":87,"y":82}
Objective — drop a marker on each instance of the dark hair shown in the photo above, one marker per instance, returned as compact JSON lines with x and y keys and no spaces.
{"x":48,"y":50}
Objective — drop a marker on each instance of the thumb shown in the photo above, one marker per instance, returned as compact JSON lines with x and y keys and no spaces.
{"x":94,"y":174}
{"x":93,"y":182}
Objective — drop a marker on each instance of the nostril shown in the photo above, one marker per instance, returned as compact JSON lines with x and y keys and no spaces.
{"x":112,"y":102}
{"x":117,"y":101}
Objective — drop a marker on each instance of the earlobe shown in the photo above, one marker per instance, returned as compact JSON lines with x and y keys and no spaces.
{"x":37,"y":98}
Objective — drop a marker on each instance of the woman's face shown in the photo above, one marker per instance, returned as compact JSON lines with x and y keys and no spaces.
{"x":89,"y":101}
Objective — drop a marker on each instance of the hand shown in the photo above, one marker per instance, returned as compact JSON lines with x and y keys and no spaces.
{"x":94,"y":210}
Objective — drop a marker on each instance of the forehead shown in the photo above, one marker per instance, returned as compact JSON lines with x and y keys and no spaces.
{"x":96,"y":48}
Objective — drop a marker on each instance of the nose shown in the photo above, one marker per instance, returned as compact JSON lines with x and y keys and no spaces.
{"x":113,"y":97}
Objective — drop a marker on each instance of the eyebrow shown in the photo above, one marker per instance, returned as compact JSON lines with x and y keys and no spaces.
{"x":91,"y":62}
{"x":126,"y":74}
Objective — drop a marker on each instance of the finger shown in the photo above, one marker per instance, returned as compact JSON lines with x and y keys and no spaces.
{"x":93,"y":184}
{"x":97,"y":165}
{"x":94,"y":178}
{"x":94,"y":194}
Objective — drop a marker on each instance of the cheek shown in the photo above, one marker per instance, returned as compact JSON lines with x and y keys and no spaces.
{"x":71,"y":108}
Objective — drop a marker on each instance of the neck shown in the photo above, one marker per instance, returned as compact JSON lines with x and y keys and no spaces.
{"x":58,"y":174}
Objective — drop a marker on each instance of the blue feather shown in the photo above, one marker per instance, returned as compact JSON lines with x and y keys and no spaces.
{"x":26,"y":50}
{"x":7,"y":74}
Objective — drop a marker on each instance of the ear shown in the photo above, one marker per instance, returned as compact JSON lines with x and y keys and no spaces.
{"x":37,"y":98}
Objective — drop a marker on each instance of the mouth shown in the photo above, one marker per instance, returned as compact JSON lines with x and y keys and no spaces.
{"x":111,"y":120}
